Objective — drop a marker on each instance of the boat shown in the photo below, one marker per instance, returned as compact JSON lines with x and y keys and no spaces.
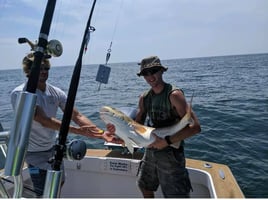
{"x":100,"y":173}
{"x":112,"y":173}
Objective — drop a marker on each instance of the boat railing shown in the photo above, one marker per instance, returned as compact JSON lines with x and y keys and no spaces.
{"x":3,"y":152}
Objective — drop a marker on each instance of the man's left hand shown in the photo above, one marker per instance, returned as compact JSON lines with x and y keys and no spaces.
{"x":159,"y":143}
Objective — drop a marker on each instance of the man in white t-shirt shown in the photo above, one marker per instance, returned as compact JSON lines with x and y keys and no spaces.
{"x":43,"y":136}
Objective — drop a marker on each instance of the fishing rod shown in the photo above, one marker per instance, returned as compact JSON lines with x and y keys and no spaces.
{"x":53,"y":178}
{"x":41,"y":46}
{"x":20,"y":131}
{"x":71,"y":99}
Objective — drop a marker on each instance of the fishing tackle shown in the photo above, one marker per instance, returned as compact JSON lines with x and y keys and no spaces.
{"x":66,"y":119}
{"x":54,"y":47}
{"x":90,"y":29}
{"x":19,"y":134}
{"x":104,"y":71}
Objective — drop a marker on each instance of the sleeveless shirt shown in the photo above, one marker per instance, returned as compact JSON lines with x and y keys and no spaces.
{"x":159,"y":109}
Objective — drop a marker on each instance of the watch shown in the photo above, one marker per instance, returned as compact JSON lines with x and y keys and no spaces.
{"x":167,"y":138}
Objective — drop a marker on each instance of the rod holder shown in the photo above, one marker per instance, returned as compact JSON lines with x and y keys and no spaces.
{"x":18,"y":186}
{"x":53,"y":184}
{"x":19,"y":134}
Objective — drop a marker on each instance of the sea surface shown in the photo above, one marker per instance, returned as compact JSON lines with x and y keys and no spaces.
{"x":230,"y":100}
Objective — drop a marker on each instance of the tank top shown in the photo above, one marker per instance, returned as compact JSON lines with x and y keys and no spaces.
{"x":158,"y":107}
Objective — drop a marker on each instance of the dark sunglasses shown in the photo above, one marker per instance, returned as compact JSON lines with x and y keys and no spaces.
{"x":44,"y":68}
{"x":152,"y":71}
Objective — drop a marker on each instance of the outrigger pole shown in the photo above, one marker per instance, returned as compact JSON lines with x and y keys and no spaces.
{"x":53,"y":179}
{"x":20,"y":129}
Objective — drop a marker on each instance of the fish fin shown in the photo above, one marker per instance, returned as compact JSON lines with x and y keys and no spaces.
{"x":140,"y":129}
{"x":134,"y":143}
{"x":189,"y":108}
{"x":130,"y":147}
{"x":188,"y":114}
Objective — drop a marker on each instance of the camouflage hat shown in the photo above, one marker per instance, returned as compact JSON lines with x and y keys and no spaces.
{"x":150,"y":62}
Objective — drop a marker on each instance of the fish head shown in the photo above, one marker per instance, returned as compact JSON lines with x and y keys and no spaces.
{"x":127,"y":129}
{"x":119,"y":119}
{"x":112,"y":115}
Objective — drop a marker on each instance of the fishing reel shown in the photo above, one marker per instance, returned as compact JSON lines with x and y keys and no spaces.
{"x":75,"y":150}
{"x":54,"y":47}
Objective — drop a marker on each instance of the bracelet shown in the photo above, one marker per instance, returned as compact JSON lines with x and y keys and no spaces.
{"x":167,"y":138}
{"x":101,"y":131}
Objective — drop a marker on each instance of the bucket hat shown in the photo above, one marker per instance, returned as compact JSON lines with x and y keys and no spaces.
{"x":150,"y":62}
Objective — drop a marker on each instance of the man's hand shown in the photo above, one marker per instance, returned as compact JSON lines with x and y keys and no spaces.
{"x":110,"y":128}
{"x":109,"y":135}
{"x":159,"y":143}
{"x":86,"y":130}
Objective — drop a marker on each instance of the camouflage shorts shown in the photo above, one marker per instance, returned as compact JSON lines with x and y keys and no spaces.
{"x":166,"y":168}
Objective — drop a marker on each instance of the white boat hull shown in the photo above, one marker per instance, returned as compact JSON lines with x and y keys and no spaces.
{"x":110,"y":174}
{"x":105,"y":177}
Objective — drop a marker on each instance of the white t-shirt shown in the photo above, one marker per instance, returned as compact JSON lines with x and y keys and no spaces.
{"x":41,"y":138}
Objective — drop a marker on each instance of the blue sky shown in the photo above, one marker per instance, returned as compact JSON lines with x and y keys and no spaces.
{"x":137,"y":28}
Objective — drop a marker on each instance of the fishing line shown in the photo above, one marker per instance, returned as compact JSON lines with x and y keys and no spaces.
{"x":104,"y":71}
{"x":55,"y":28}
{"x":117,"y":19}
{"x":109,"y":50}
{"x":64,"y":129}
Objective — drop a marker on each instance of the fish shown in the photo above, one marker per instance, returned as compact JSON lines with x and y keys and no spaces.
{"x":135,"y":134}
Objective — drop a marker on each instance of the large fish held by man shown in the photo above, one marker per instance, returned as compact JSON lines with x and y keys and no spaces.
{"x":135,"y":134}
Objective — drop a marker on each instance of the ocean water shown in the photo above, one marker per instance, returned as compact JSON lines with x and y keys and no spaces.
{"x":230,"y":100}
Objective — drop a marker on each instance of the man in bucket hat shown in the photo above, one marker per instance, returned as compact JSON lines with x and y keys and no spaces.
{"x":164,"y":105}
{"x":152,"y":62}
